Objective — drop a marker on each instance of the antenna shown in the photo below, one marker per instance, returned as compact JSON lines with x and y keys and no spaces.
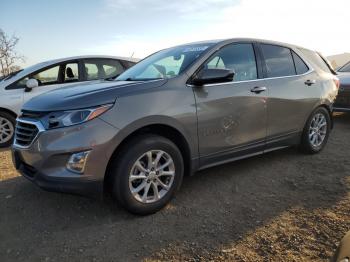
{"x":132,"y":54}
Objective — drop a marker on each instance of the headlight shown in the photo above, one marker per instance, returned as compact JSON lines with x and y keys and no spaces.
{"x":73,"y":117}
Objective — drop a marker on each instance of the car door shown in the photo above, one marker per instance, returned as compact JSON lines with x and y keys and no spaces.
{"x":232,"y":115}
{"x":11,"y":96}
{"x":291,"y":97}
{"x":53,"y":77}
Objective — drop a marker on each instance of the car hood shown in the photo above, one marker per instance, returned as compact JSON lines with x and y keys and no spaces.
{"x":344,"y":78}
{"x":87,"y":95}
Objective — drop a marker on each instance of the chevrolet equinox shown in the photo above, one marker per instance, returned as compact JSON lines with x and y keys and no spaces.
{"x":177,"y":111}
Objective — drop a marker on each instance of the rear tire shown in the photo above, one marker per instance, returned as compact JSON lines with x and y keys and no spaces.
{"x":316,"y":131}
{"x":146,"y":174}
{"x":7,"y":129}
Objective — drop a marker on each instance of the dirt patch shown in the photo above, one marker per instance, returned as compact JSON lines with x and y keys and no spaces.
{"x":6,"y":169}
{"x":282,"y":206}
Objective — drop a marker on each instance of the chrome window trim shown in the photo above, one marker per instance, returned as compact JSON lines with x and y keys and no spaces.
{"x":311,"y":70}
{"x":38,"y":125}
{"x":292,"y":49}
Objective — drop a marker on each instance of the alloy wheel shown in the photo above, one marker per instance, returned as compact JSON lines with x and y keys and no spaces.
{"x":318,"y":130}
{"x":6,"y":130}
{"x":152,"y":176}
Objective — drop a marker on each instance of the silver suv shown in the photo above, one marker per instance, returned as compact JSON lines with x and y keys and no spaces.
{"x":179,"y":110}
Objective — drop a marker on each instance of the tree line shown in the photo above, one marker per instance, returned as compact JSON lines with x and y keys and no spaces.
{"x":9,"y":58}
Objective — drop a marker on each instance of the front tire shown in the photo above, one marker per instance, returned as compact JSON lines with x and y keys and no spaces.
{"x":147,"y":173}
{"x":7,"y":129}
{"x":316,"y":131}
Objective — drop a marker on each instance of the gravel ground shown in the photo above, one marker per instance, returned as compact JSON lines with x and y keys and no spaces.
{"x":282,"y":206}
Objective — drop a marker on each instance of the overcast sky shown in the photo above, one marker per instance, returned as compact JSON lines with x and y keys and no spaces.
{"x":53,"y":29}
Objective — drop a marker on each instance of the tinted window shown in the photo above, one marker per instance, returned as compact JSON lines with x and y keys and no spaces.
{"x":315,"y":58}
{"x":300,"y":65}
{"x":279,"y":61}
{"x":216,"y":62}
{"x":239,"y":57}
{"x":71,"y":73}
{"x":345,"y":68}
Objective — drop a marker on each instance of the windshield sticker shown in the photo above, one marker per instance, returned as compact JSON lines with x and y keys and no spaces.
{"x":195,"y":49}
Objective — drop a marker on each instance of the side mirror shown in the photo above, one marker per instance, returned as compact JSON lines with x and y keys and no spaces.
{"x":31,"y":83}
{"x":213,"y":76}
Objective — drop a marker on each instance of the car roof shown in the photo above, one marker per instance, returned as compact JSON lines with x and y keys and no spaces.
{"x":232,"y":40}
{"x":59,"y":60}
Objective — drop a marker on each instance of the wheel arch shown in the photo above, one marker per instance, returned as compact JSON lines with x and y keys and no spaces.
{"x":162,"y":129}
{"x":325,"y":104}
{"x":2,"y":109}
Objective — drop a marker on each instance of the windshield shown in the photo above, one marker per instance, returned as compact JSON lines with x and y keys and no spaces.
{"x":167,"y":63}
{"x":345,"y":68}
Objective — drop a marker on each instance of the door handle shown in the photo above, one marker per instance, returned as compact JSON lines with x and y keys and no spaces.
{"x":258,"y":89}
{"x":310,"y":82}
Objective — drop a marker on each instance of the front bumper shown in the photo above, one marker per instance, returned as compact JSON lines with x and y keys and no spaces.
{"x":44,"y":161}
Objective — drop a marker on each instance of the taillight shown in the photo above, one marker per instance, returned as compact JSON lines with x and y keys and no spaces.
{"x":336,"y":82}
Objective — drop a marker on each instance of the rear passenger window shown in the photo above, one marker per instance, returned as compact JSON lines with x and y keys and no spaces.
{"x":278,"y":59}
{"x":71,"y":73}
{"x":239,"y":57}
{"x":300,"y":65}
{"x":91,"y":71}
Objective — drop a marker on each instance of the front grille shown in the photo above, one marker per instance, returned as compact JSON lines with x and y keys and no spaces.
{"x":32,"y":114}
{"x":25,"y":133}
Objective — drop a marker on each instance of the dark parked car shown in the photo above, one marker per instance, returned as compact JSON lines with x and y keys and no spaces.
{"x":179,"y":110}
{"x":342,"y":103}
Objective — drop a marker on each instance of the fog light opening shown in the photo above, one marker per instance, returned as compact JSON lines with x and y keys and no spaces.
{"x":77,"y":162}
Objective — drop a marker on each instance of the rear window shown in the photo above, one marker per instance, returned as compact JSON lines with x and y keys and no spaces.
{"x":318,"y":60}
{"x":345,"y":68}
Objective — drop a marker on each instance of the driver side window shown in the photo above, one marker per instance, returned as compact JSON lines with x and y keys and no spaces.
{"x":47,"y":76}
{"x":238,"y":57}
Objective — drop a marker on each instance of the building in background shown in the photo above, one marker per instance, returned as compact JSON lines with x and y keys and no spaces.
{"x":339,"y":60}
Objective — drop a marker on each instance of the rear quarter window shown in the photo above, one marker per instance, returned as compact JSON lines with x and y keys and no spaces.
{"x":345,"y":68}
{"x":300,"y":66}
{"x":128,"y":64}
{"x":317,"y":60}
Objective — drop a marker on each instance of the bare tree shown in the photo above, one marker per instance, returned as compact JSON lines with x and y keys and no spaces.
{"x":8,"y":55}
